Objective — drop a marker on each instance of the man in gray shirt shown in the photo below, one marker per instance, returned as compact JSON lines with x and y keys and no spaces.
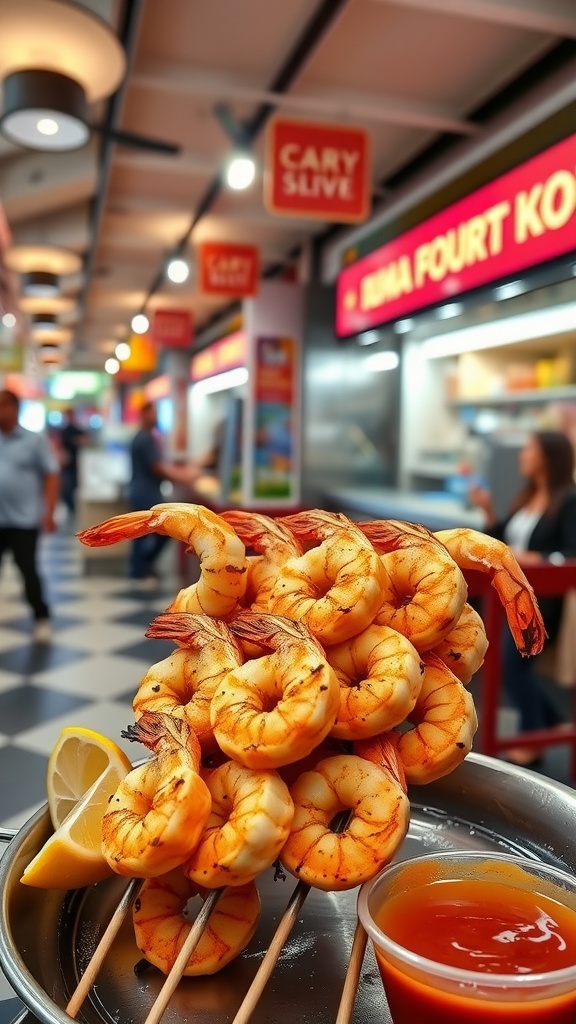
{"x":28,"y":495}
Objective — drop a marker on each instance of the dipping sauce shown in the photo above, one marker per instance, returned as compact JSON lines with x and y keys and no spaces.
{"x":482,"y":926}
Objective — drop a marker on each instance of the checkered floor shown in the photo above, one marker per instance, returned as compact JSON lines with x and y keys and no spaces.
{"x":86,"y":676}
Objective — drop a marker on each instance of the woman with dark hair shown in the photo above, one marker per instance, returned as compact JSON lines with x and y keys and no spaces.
{"x":541,"y":527}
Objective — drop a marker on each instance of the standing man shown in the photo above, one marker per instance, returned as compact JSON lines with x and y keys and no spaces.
{"x":148,"y":472}
{"x":28,"y":496}
{"x":72,"y":437}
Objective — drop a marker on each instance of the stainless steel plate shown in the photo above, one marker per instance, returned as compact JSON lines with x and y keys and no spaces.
{"x":47,"y":938}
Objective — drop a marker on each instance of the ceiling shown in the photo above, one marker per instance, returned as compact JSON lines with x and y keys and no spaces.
{"x":411,"y":71}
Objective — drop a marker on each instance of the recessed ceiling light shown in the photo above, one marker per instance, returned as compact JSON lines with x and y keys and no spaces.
{"x":509,"y":290}
{"x":403,"y":326}
{"x":368,"y":338}
{"x":48,"y":126}
{"x":449,"y":310}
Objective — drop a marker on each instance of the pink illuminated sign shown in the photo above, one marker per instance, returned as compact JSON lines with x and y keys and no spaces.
{"x":521,"y":219}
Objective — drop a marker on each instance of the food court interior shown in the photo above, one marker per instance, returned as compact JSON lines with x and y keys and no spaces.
{"x":333,"y":242}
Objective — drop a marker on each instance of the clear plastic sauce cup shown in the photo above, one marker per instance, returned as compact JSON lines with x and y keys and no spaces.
{"x":474,"y":937}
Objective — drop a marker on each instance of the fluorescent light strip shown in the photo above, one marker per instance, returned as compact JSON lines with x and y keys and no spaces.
{"x":222,"y":381}
{"x":382,"y":361}
{"x":540,"y":324}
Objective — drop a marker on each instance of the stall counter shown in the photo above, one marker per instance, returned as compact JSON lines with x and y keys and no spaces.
{"x":436,"y":512}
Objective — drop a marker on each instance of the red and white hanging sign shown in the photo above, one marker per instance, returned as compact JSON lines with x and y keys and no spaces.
{"x":227,"y":268}
{"x":317,"y":170}
{"x":172,"y":328}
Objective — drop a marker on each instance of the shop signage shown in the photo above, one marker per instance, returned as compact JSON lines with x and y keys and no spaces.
{"x":225,"y":354}
{"x":172,"y":328}
{"x":274,"y":390}
{"x":229,"y":269}
{"x":523,"y":218}
{"x":142,"y":358}
{"x":317,"y":170}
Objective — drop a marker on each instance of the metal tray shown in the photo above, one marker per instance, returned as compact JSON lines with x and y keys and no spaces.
{"x":47,"y":938}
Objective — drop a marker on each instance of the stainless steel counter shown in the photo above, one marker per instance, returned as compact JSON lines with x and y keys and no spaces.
{"x":437,"y":513}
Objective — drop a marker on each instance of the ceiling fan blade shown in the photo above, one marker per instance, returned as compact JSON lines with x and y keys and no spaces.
{"x":138,"y":141}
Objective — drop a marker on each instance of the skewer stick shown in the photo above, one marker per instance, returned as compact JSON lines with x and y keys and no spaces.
{"x":99,"y":954}
{"x":352,"y":976}
{"x":194,"y":935}
{"x":268,"y":964}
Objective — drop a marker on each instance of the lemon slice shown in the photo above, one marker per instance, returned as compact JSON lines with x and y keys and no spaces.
{"x":79,"y":757}
{"x":72,"y":857}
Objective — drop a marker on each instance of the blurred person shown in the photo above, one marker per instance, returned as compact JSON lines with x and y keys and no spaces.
{"x":29,"y":484}
{"x":148,"y":471}
{"x":541,"y":527}
{"x":72,"y":438}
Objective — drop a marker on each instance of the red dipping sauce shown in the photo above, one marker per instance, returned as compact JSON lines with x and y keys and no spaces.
{"x":483,"y":926}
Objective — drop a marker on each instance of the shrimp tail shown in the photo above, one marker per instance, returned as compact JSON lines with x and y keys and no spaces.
{"x":158,"y":731}
{"x":263,"y":629}
{"x":315,"y":523}
{"x":390,"y":534}
{"x":124,"y":527}
{"x":383,"y":751}
{"x":189,"y":630}
{"x":259,"y":531}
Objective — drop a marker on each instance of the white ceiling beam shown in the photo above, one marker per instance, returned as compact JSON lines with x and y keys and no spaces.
{"x":554,"y":17}
{"x":345,"y":105}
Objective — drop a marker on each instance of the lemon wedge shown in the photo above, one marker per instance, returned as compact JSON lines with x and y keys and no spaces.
{"x":72,"y":857}
{"x":79,"y":757}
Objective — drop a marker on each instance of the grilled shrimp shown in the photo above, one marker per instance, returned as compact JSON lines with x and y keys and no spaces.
{"x":159,"y":811}
{"x":380,"y":817}
{"x":335,"y":588}
{"x":161,"y":924}
{"x":251,"y":816}
{"x":184,"y":683}
{"x":425,"y":591}
{"x":222,"y":557}
{"x":380,"y":674}
{"x":444,"y":720}
{"x":474,"y":550}
{"x":274,"y":545}
{"x":277,"y":707}
{"x":464,"y":648}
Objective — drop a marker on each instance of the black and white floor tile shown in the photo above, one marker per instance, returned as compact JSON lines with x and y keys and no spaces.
{"x":86,"y":676}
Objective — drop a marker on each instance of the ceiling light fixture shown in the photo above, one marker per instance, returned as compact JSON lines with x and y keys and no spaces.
{"x":368,"y":338}
{"x":222,"y":381}
{"x":449,"y":310}
{"x":122,"y":351}
{"x":49,"y":259}
{"x":178,"y":270}
{"x":403,"y":326}
{"x":40,"y":284}
{"x":140,"y":323}
{"x":240,"y":171}
{"x":509,"y":290}
{"x":56,"y":60}
{"x":382,"y":361}
{"x":44,"y":323}
{"x":9,"y":320}
{"x":112,"y":365}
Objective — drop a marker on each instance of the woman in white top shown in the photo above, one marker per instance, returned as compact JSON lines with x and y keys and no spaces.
{"x":541,"y":527}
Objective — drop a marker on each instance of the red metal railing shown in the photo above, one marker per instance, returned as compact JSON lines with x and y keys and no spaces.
{"x":548,"y":581}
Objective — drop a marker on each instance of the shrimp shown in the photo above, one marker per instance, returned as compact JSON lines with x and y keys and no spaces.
{"x":162,"y":924}
{"x":275,"y":708}
{"x":474,"y":550}
{"x":380,"y":817}
{"x":251,"y":816}
{"x":274,"y":545}
{"x":444,"y":720}
{"x":425,"y":590}
{"x":159,"y":811}
{"x":380,"y":674}
{"x":222,"y":557}
{"x":383,"y":751}
{"x":464,"y":648}
{"x":335,"y":588}
{"x":184,"y":683}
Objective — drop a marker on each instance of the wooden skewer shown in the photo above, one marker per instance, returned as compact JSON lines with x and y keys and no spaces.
{"x":195,"y":934}
{"x":352,"y":976}
{"x":268,"y":964}
{"x":99,"y":955}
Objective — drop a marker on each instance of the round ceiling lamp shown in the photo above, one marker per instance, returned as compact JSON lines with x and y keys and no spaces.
{"x":55,"y":333}
{"x":57,"y":305}
{"x":48,"y":259}
{"x":55,"y":59}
